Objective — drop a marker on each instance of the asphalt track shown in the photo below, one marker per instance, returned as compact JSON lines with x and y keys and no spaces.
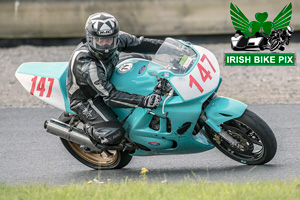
{"x":30,"y":155}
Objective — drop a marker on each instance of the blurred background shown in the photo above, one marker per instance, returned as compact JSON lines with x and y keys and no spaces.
{"x":49,"y":30}
{"x":62,"y":21}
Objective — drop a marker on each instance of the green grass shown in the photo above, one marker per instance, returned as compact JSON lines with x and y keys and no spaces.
{"x":134,"y":190}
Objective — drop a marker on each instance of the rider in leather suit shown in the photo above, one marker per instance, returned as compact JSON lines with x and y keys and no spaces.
{"x":91,"y":66}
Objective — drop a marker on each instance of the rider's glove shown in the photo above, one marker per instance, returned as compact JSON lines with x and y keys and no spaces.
{"x":151,"y":101}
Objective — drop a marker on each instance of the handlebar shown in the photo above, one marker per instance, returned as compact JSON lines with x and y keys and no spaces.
{"x":170,"y":94}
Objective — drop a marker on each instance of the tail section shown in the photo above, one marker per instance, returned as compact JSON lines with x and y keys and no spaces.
{"x":46,"y":81}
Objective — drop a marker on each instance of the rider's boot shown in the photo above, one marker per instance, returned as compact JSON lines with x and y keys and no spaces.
{"x":105,"y":135}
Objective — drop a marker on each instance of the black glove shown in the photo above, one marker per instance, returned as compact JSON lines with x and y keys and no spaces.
{"x":151,"y":101}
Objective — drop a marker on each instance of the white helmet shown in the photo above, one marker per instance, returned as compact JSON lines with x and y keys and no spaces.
{"x":289,"y":30}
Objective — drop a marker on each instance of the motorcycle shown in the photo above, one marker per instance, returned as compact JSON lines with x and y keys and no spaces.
{"x":240,"y":43}
{"x":191,"y":118}
{"x":280,"y":37}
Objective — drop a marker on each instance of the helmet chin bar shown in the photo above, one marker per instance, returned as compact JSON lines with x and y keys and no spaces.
{"x":106,"y":55}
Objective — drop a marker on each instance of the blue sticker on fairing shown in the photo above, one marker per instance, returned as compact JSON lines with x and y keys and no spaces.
{"x":142,"y":69}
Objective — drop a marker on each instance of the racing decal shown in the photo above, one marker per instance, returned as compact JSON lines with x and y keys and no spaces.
{"x":45,"y":88}
{"x":142,"y":69}
{"x":125,"y":68}
{"x":41,"y":86}
{"x":202,"y":79}
{"x":185,"y":61}
{"x":154,"y":143}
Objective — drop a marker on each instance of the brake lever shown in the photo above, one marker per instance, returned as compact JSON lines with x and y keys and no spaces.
{"x":169,"y":96}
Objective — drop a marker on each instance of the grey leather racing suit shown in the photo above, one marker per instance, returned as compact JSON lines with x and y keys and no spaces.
{"x":91,"y":94}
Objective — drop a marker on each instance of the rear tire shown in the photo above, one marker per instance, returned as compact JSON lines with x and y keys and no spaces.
{"x":274,"y":45}
{"x":105,"y":160}
{"x":256,"y":141}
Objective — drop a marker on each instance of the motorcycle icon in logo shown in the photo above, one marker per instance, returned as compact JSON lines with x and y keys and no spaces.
{"x":277,"y":39}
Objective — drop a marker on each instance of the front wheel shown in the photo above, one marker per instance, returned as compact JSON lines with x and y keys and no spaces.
{"x":247,"y":139}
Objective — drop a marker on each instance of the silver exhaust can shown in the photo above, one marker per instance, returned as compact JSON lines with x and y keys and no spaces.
{"x":65,"y":131}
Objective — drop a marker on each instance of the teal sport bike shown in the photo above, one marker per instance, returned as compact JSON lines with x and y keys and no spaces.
{"x":191,"y":118}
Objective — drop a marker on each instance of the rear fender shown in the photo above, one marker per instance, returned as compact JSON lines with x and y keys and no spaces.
{"x":222,"y":109}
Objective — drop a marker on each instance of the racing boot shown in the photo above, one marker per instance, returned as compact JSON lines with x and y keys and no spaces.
{"x":105,"y":135}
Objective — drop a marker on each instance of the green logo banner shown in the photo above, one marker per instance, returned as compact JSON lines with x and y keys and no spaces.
{"x":273,"y":59}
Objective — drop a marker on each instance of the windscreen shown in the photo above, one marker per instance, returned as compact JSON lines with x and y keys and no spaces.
{"x":175,"y":56}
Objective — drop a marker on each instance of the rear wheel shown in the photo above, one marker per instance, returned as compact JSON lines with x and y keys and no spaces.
{"x":104,"y":160}
{"x":247,"y":139}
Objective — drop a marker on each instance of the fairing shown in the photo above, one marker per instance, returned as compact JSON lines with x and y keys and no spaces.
{"x":195,"y":76}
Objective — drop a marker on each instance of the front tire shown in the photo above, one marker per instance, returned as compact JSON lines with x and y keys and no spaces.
{"x":256,"y":143}
{"x":104,"y":160}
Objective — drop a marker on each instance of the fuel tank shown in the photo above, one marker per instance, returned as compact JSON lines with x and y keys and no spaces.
{"x":131,"y":76}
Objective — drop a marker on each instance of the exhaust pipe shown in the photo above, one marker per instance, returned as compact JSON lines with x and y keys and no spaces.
{"x":64,"y":131}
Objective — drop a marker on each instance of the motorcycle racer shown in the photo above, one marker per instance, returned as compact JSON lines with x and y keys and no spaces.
{"x":90,"y":92}
{"x":279,"y":37}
